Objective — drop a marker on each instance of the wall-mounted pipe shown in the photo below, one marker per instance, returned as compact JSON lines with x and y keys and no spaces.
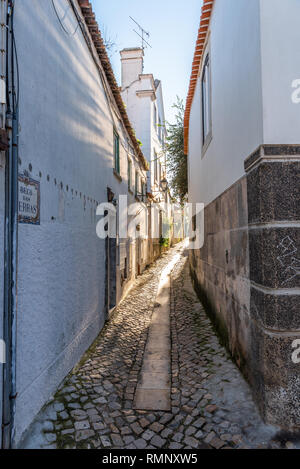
{"x":11,"y":238}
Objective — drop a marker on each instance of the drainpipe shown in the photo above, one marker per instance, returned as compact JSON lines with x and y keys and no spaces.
{"x":11,"y":240}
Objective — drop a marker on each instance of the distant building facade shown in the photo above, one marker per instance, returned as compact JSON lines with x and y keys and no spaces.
{"x":143,"y":98}
{"x":243,"y":145}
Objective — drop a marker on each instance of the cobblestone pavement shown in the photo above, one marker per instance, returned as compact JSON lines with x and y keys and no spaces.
{"x":212,"y":405}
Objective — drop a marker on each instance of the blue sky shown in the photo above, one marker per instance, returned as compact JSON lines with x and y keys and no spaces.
{"x":173,"y":26}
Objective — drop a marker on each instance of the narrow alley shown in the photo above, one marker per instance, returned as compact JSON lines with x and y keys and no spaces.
{"x":211,"y":404}
{"x":149,"y":224}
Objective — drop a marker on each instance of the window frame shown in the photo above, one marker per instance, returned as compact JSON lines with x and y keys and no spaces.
{"x":117,"y":152}
{"x":206,"y":102}
{"x":143,"y":190}
{"x":159,"y":173}
{"x":155,"y":166}
{"x":155,"y":116}
{"x":129,"y":174}
{"x":136,"y":185}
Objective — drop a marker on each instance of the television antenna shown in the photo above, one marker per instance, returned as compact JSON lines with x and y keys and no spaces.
{"x":142,"y":34}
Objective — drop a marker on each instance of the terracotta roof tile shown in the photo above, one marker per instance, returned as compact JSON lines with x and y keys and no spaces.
{"x":90,"y":20}
{"x":202,"y":34}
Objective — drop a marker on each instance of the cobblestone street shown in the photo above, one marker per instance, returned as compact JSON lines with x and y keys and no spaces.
{"x":212,"y":405}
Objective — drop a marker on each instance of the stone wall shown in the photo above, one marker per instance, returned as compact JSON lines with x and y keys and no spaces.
{"x":274,"y":243}
{"x":220,"y":269}
{"x":247,"y":275}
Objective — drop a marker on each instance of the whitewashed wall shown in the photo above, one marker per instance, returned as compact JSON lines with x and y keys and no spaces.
{"x":236,"y":100}
{"x":255,"y":51}
{"x":280,"y":46}
{"x":140,"y":97}
{"x":66,"y":143}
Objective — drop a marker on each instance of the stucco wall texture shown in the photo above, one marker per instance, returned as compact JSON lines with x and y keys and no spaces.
{"x":66,"y":143}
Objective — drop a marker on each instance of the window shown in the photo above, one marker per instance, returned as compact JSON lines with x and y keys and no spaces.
{"x":159,"y":129}
{"x":136,"y":183}
{"x":155,"y":117}
{"x":143,"y":191}
{"x":206,"y":102}
{"x":117,"y":152}
{"x":129,"y":173}
{"x":155,"y":166}
{"x":159,"y":174}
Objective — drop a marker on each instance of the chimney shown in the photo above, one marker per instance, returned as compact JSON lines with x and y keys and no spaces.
{"x":132,"y":65}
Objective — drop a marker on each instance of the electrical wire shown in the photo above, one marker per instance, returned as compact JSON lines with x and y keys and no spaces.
{"x":17,"y":95}
{"x":61,"y":23}
{"x":109,"y":101}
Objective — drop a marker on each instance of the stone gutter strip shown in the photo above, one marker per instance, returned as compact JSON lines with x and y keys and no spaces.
{"x":201,"y":39}
{"x":153,"y":390}
{"x":92,"y":25}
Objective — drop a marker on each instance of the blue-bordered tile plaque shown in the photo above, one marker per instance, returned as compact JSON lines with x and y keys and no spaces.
{"x":29,"y":200}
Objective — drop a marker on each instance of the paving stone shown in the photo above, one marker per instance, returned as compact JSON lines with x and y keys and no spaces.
{"x":98,"y":426}
{"x":105,"y":441}
{"x":199,"y":423}
{"x":156,"y":427}
{"x":94,"y":418}
{"x":157,"y":441}
{"x":126,"y":431}
{"x":178,"y":437}
{"x":199,"y":435}
{"x":136,"y":428}
{"x":211,"y":403}
{"x":190,"y":431}
{"x":209,"y":437}
{"x":148,"y":434}
{"x":217,"y":443}
{"x":166,"y":419}
{"x":128,"y":439}
{"x":226,"y":437}
{"x":59,"y":407}
{"x":175,"y":446}
{"x":140,"y":443}
{"x":211,"y":408}
{"x":82,"y":425}
{"x":117,"y":440}
{"x":69,"y":431}
{"x":143,"y":422}
{"x":166,"y":433}
{"x":74,"y":405}
{"x":188,"y":420}
{"x":84,"y":434}
{"x":190,"y":441}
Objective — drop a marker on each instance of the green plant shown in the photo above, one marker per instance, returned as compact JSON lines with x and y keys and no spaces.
{"x":164,"y":242}
{"x":176,"y":159}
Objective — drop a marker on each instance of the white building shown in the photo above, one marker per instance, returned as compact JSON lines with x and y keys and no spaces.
{"x":242,"y":140}
{"x":74,"y":151}
{"x":143,"y":98}
{"x":142,"y":95}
